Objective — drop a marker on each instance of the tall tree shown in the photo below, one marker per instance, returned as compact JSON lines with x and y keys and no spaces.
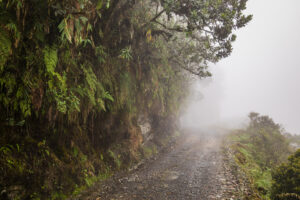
{"x":200,"y":31}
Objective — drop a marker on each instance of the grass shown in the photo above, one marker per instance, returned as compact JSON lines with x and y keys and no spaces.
{"x":261,"y":179}
{"x":116,"y":159}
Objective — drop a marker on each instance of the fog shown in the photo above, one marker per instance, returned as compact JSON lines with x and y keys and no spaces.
{"x":261,"y":75}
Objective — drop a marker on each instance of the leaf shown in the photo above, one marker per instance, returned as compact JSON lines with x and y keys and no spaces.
{"x":101,"y":104}
{"x":63,"y":29}
{"x":50,"y":59}
{"x":126,"y":53}
{"x":108,"y":96}
{"x":149,"y":36}
{"x":99,"y":4}
{"x":83,"y":19}
{"x":107,"y":4}
{"x":20,"y":123}
{"x":89,"y":27}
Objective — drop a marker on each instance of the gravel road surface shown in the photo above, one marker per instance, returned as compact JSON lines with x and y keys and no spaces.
{"x":193,"y":169}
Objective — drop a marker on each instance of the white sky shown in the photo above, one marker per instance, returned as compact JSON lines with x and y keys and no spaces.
{"x":263,"y":72}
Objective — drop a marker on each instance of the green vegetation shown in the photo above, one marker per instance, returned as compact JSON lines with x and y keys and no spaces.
{"x":149,"y":151}
{"x":75,"y":75}
{"x":116,"y":158}
{"x":258,"y":150}
{"x":286,"y":179}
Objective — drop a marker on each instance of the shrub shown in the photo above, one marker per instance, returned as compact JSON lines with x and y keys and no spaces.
{"x":286,"y":179}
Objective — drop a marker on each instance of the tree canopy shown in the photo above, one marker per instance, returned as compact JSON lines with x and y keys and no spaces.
{"x":201,"y":31}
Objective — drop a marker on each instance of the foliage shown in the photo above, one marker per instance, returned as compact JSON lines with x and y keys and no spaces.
{"x":53,"y":72}
{"x":149,"y":151}
{"x":202,"y":30}
{"x":286,"y":179}
{"x":258,"y":149}
{"x":267,"y":137}
{"x":5,"y":48}
{"x":75,"y":75}
{"x":116,"y":158}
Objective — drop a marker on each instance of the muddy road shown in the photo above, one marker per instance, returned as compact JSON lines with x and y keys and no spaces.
{"x":193,"y":169}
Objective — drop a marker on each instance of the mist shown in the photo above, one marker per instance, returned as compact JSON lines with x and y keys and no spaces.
{"x":261,"y":75}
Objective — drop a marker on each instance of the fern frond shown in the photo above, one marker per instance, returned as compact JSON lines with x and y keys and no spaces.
{"x":5,"y":48}
{"x":63,"y":29}
{"x":108,"y":96}
{"x":50,"y":59}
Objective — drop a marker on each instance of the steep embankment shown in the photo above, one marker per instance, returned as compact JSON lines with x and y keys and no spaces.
{"x":78,"y":81}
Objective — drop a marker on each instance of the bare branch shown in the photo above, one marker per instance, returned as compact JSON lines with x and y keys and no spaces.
{"x":158,"y":15}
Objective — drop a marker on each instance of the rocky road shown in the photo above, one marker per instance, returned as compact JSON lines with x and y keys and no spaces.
{"x":193,"y":169}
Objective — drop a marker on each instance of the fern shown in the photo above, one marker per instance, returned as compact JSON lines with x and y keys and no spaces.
{"x":5,"y":48}
{"x":57,"y":82}
{"x":50,"y":59}
{"x":108,"y":96}
{"x":101,"y":104}
{"x":126,"y":53}
{"x":65,"y":32}
{"x":91,"y":83}
{"x":93,"y":89}
{"x":100,"y":53}
{"x":13,"y":28}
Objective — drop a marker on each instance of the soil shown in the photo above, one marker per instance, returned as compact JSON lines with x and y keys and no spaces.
{"x":194,"y":168}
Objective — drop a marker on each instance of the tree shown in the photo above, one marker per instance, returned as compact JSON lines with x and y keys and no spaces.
{"x":271,"y":146}
{"x":200,"y":31}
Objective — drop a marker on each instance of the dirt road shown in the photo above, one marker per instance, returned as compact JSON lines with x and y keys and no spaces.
{"x":194,"y":169}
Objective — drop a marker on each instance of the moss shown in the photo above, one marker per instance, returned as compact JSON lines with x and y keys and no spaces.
{"x":147,"y":151}
{"x":116,"y":158}
{"x":91,"y":180}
